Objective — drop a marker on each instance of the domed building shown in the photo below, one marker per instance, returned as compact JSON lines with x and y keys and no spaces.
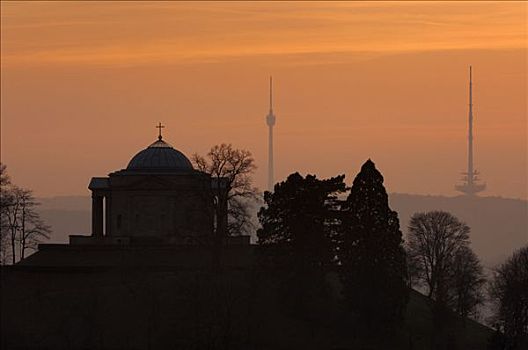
{"x":158,"y":198}
{"x":158,"y":212}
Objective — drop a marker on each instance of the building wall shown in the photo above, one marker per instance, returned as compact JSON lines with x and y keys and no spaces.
{"x":168,"y":206}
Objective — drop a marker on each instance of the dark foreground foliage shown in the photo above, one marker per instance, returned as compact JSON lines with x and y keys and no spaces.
{"x":509,"y":291}
{"x":372,"y":257}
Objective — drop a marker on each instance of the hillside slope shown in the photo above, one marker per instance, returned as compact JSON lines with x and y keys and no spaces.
{"x":140,"y":308}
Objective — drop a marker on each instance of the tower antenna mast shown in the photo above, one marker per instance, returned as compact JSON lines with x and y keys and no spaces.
{"x":270,"y":121}
{"x":470,"y":185}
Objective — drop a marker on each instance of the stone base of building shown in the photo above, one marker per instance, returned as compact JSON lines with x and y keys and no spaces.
{"x":77,"y":240}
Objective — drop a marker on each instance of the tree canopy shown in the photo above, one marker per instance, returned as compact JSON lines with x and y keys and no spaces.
{"x":509,"y":291}
{"x":302,"y":214}
{"x":443,"y":262}
{"x":371,"y":252}
{"x":299,"y":223}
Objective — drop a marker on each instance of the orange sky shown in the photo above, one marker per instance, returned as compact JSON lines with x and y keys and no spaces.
{"x":84,"y":84}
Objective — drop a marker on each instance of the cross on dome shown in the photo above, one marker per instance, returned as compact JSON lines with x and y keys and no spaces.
{"x":160,"y":126}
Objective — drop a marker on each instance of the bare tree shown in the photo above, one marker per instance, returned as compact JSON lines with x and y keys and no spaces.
{"x":6,"y":200}
{"x":4,"y":177}
{"x":466,"y":282}
{"x":32,"y":228}
{"x":12,"y":217}
{"x":509,"y":291}
{"x":443,"y":262}
{"x":21,"y":225}
{"x":231,"y":170}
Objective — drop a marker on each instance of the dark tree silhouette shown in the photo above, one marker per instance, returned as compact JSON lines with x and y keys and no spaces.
{"x":446,"y":266}
{"x":300,"y":220}
{"x":4,"y":177}
{"x":466,"y":282}
{"x":497,"y":341}
{"x":32,"y":229}
{"x":444,"y":262}
{"x":509,"y":291}
{"x":301,"y":214}
{"x":231,"y":170}
{"x":23,"y":224}
{"x":6,"y":200}
{"x":21,"y":227}
{"x":371,"y":253}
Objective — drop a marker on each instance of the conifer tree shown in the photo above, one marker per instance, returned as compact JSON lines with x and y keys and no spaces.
{"x":299,"y":221}
{"x":301,"y":216}
{"x":371,"y":253}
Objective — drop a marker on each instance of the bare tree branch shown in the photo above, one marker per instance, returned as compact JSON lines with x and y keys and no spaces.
{"x":233,"y":168}
{"x":21,"y":225}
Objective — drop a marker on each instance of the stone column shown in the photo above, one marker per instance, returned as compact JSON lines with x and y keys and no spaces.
{"x":108,"y":214}
{"x":97,"y":214}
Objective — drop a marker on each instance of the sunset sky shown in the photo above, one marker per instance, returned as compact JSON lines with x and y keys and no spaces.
{"x":83,"y":85}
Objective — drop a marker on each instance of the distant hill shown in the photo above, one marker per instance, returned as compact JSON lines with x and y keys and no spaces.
{"x":67,"y":215}
{"x":75,"y":203}
{"x":498,"y":225}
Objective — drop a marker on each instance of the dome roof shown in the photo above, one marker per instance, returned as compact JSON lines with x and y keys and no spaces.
{"x":160,"y":156}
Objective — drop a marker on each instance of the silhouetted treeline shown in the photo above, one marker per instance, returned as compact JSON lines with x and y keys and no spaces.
{"x":328,"y":273}
{"x":314,"y":232}
{"x":359,"y":238}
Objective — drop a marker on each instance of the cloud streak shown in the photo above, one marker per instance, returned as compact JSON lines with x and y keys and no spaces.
{"x":153,"y":33}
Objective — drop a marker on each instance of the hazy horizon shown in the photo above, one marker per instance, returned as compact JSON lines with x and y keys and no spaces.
{"x":87,"y":195}
{"x":84,"y":84}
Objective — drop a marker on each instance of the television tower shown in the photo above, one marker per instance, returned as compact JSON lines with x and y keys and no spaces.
{"x":470,"y":185}
{"x":270,"y":121}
